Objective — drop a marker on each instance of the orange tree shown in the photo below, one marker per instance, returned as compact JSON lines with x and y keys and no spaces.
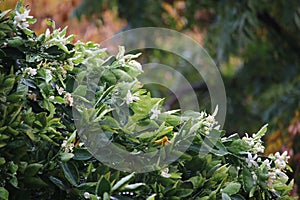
{"x":256,"y":45}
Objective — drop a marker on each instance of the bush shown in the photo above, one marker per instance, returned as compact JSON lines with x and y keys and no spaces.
{"x":53,"y":106}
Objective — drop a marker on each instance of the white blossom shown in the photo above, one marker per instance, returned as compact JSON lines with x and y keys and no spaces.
{"x":248,"y":140}
{"x":282,"y":176}
{"x":64,"y":144}
{"x":122,"y":62}
{"x":86,"y":195}
{"x":51,"y":98}
{"x":47,"y":33}
{"x":20,"y":19}
{"x":267,"y":164}
{"x":130,"y":98}
{"x":209,"y":122}
{"x":258,"y":147}
{"x":251,"y":160}
{"x":68,"y":147}
{"x":155,"y":112}
{"x":135,"y":64}
{"x":281,"y":160}
{"x":59,"y":39}
{"x":254,"y":177}
{"x":165,"y":173}
{"x":31,"y":71}
{"x":69,"y":99}
{"x":60,"y":90}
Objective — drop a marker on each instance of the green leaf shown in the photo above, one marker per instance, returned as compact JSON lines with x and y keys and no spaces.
{"x":2,"y":161}
{"x":12,"y":131}
{"x":35,"y":182}
{"x":232,"y":188}
{"x":121,"y":52}
{"x":4,"y":13}
{"x":109,"y":77}
{"x":70,"y":172}
{"x":103,"y":186}
{"x":58,"y":100}
{"x":63,"y":47}
{"x":261,"y":132}
{"x":247,"y":180}
{"x":66,"y":156}
{"x":12,"y":167}
{"x":58,"y":183}
{"x":15,"y":42}
{"x":121,"y":75}
{"x":14,"y":181}
{"x":252,"y":191}
{"x":182,"y":193}
{"x":225,"y":196}
{"x":151,"y":197}
{"x":197,"y":181}
{"x":237,"y":197}
{"x":238,"y":146}
{"x":106,"y":196}
{"x":81,"y":154}
{"x":122,"y":182}
{"x":133,"y":186}
{"x":80,"y":90}
{"x":32,"y":169}
{"x":48,"y":76}
{"x":3,"y":194}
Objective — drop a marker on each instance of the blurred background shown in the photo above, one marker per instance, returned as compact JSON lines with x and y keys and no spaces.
{"x":255,"y":44}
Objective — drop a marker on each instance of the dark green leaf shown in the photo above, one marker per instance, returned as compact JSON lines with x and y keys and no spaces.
{"x":35,"y":182}
{"x":70,"y":172}
{"x":103,"y":186}
{"x":58,"y":183}
{"x":32,"y":169}
{"x":81,"y":154}
{"x":247,"y":180}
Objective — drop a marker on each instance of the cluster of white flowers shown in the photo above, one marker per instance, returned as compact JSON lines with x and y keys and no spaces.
{"x":59,"y":38}
{"x":68,"y":147}
{"x":20,"y":19}
{"x":276,"y":173}
{"x":155,"y":112}
{"x":281,"y":160}
{"x":275,"y":164}
{"x":69,"y":99}
{"x":130,"y":98}
{"x":255,"y":143}
{"x":209,"y":121}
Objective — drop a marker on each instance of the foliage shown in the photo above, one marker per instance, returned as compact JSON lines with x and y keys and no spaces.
{"x":256,"y":44}
{"x":42,"y":156}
